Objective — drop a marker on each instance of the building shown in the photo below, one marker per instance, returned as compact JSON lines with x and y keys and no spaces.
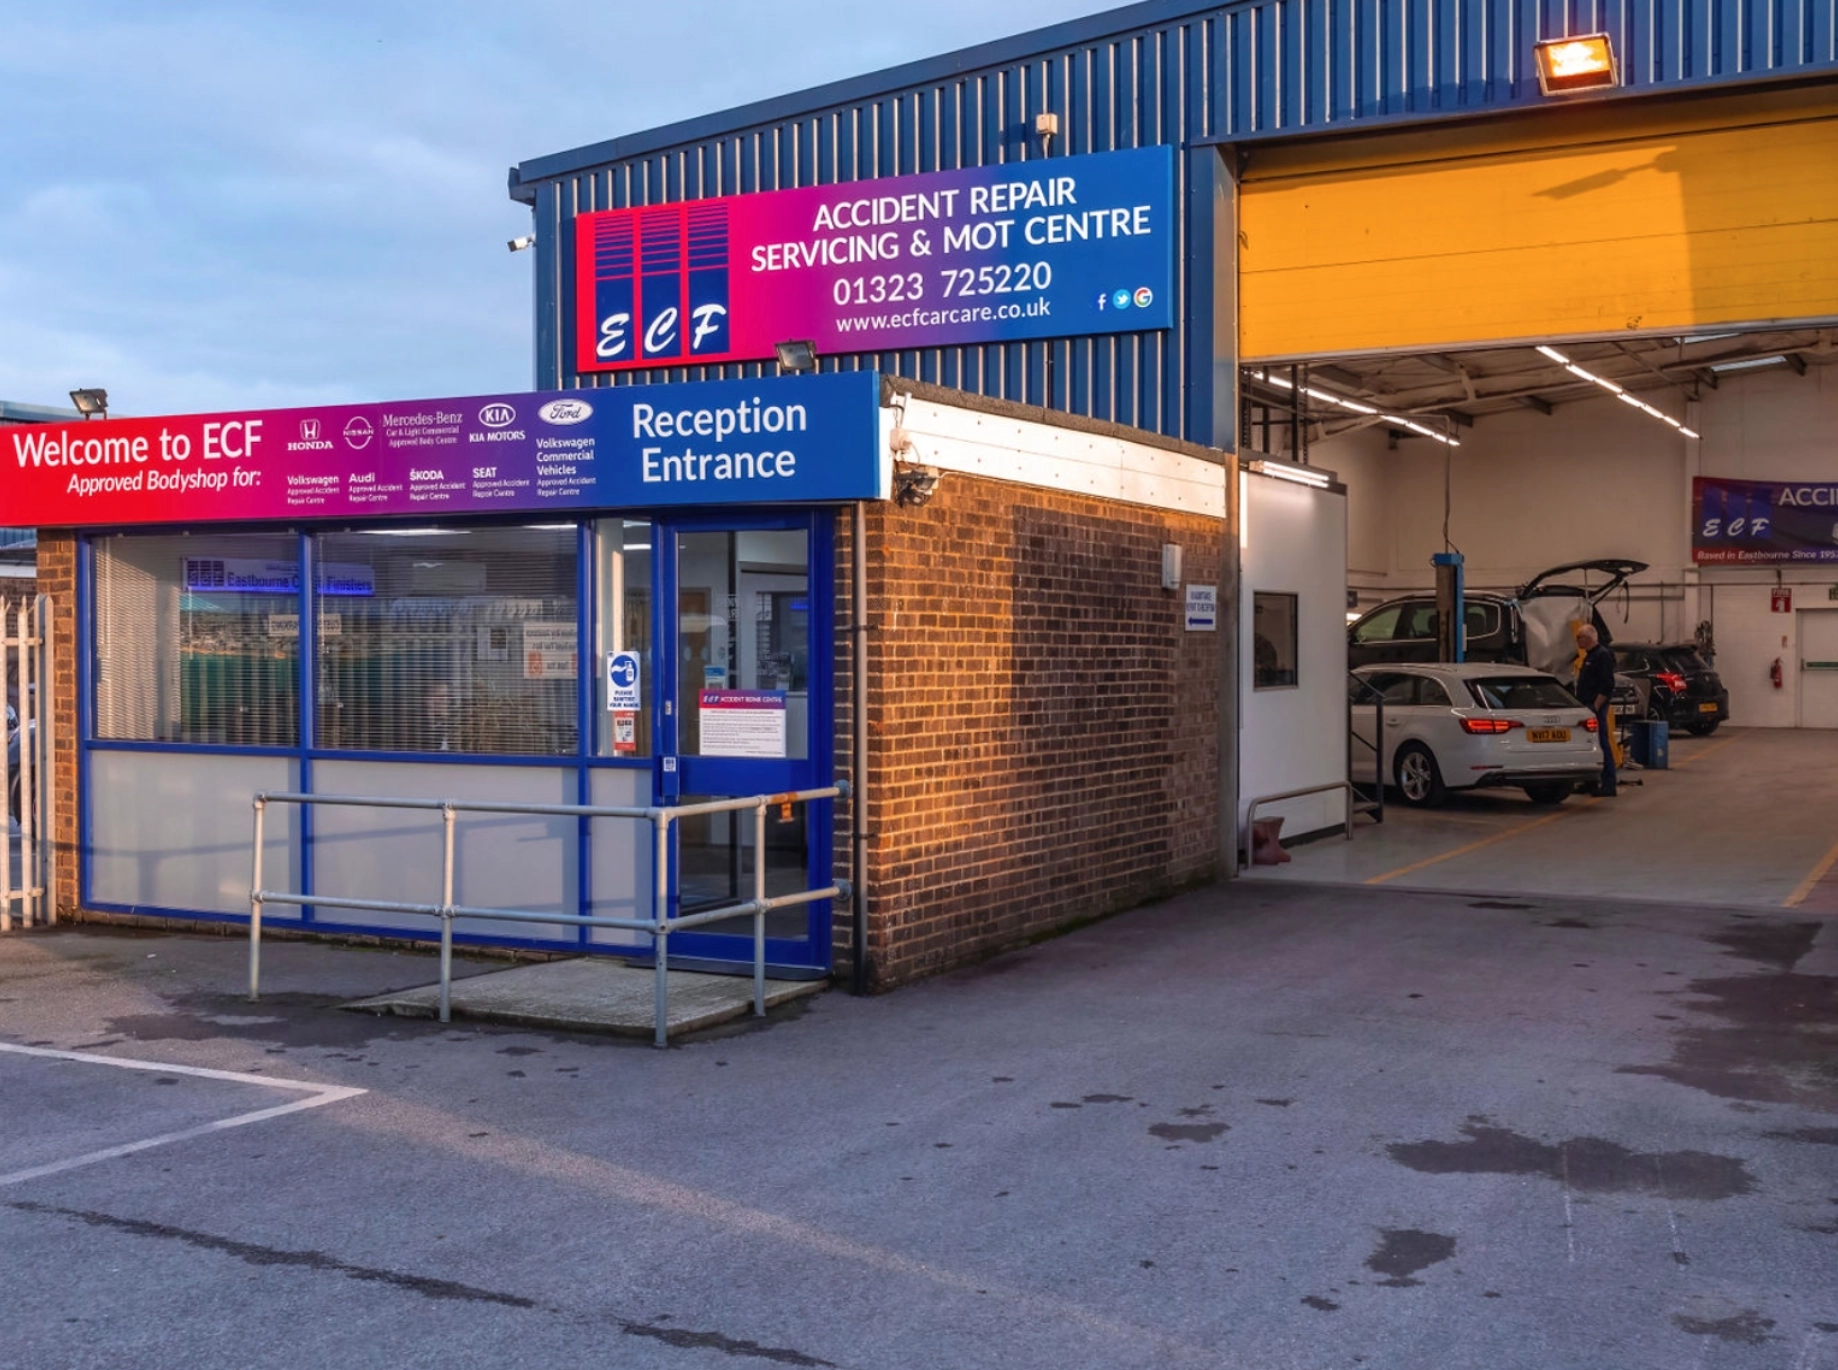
{"x":1227,"y":316}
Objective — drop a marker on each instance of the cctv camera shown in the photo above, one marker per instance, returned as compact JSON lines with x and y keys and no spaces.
{"x":518,"y":244}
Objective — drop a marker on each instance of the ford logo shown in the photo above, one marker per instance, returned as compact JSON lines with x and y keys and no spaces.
{"x":497,"y":415}
{"x":563,"y":412}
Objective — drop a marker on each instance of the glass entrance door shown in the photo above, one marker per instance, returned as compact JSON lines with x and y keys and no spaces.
{"x":746,"y":709}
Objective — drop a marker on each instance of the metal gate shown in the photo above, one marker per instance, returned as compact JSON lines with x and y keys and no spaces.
{"x":25,"y":769}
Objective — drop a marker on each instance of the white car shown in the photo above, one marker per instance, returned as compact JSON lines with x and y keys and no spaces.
{"x":1461,"y":726}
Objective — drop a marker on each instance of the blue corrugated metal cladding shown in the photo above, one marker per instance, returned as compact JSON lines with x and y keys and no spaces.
{"x":1168,"y":71}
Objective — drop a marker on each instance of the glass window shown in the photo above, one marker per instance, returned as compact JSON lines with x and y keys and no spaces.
{"x":1522,"y":692}
{"x":1431,"y":692}
{"x":1682,"y":659}
{"x":743,"y":643}
{"x":1273,"y":640}
{"x":1379,"y":626}
{"x":198,"y":639}
{"x":1396,"y":689}
{"x":1480,"y":620}
{"x":1419,"y":619}
{"x":622,"y":578}
{"x":440,"y":640}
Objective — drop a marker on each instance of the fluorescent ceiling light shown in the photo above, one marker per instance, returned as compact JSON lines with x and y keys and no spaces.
{"x":1614,"y":389}
{"x":1343,"y":402}
{"x":1301,"y":475}
{"x":1748,"y":365}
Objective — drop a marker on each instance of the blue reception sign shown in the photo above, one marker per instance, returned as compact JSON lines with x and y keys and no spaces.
{"x":775,"y":440}
{"x":1060,"y":247}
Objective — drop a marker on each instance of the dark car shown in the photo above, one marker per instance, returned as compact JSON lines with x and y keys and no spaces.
{"x":1530,"y":627}
{"x":1683,"y":689}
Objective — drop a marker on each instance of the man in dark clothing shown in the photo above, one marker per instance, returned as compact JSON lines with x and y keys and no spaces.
{"x":1595,"y":686}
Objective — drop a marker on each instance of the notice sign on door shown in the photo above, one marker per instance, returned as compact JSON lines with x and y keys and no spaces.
{"x":743,"y":723}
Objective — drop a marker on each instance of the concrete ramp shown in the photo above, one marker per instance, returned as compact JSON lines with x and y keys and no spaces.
{"x":591,"y":995}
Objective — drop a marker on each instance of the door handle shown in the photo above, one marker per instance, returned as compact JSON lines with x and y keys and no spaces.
{"x":1394,"y":723}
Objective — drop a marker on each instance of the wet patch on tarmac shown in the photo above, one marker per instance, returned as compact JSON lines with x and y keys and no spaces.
{"x":1501,"y":904}
{"x":1812,"y":1136}
{"x":1403,"y":1251}
{"x":293,"y":1020}
{"x":1316,"y":1301}
{"x":1748,"y":1327}
{"x":1587,"y":1164}
{"x":1580,"y":923}
{"x":1780,"y":945}
{"x":1188,"y":1132}
{"x":1778,"y":1042}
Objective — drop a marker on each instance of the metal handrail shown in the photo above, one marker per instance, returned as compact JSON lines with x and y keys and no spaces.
{"x":659,"y":925}
{"x":1375,"y":805}
{"x":1250,"y":813}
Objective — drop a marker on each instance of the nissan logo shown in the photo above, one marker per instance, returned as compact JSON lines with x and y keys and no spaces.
{"x":497,"y":415}
{"x":564,"y":412}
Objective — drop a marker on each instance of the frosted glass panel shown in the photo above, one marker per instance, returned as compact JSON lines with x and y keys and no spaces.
{"x":622,"y":863}
{"x":173,"y":830}
{"x":506,"y":861}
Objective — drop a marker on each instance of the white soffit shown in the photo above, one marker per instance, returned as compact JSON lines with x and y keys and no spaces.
{"x":1055,"y":458}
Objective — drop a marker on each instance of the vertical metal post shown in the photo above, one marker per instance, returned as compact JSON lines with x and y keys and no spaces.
{"x":47,"y":771}
{"x":255,"y":905}
{"x":28,"y":797}
{"x":759,"y":910}
{"x":660,"y":917}
{"x":858,"y":753}
{"x":6,"y":785}
{"x":446,"y":914}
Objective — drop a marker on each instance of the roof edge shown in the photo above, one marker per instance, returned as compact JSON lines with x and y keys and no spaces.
{"x":853,"y":89}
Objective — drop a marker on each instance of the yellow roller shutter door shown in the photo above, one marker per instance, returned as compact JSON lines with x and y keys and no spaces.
{"x":1654,"y":233}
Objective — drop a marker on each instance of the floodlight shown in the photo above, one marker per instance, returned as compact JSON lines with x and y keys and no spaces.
{"x":1567,"y":65}
{"x":797,"y":355}
{"x":90,"y":402}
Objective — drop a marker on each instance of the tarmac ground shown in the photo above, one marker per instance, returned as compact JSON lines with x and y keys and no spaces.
{"x":1264,"y":1126}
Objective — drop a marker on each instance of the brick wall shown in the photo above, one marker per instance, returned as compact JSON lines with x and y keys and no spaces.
{"x":1042,"y":731}
{"x":57,"y":577}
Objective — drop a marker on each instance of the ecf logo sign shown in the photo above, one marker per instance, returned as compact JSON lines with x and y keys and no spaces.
{"x":661,"y":285}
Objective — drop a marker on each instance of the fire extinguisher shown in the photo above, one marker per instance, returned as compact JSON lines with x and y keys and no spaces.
{"x":1774,"y":673}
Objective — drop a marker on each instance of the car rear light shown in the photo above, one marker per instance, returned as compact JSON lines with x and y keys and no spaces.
{"x":1590,"y":725}
{"x":1672,"y":680}
{"x":1490,"y":725}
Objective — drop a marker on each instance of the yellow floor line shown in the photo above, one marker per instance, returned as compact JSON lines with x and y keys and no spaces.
{"x":1476,"y":846}
{"x":1699,"y":756}
{"x":1806,"y":886}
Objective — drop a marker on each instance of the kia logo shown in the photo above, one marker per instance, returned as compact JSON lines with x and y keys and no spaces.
{"x":564,"y":412}
{"x":358,"y":432}
{"x":497,"y":415}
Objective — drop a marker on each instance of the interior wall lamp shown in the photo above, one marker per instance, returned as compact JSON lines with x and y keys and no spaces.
{"x":90,"y":402}
{"x":1567,"y":65}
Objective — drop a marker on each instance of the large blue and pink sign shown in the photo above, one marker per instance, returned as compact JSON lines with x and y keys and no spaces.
{"x":1054,"y":248}
{"x":795,"y":439}
{"x":1763,"y":522}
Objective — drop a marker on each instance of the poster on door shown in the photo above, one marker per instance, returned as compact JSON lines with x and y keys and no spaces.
{"x":743,"y":723}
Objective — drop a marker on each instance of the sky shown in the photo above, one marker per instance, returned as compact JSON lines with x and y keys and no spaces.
{"x":212,"y":206}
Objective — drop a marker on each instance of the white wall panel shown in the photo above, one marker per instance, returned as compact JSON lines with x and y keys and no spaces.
{"x":1295,"y":543}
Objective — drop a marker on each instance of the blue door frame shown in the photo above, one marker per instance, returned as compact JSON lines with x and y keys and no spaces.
{"x":675,"y":775}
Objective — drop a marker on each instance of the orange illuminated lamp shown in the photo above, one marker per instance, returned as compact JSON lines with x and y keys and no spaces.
{"x":1566,"y":65}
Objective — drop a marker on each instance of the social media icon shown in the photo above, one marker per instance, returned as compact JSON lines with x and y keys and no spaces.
{"x":1144,"y":296}
{"x":1121,"y":299}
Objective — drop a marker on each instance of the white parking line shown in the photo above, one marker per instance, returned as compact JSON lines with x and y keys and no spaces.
{"x":317,"y":1096}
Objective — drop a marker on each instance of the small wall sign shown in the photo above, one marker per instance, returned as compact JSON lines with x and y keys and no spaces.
{"x":1202,"y":608}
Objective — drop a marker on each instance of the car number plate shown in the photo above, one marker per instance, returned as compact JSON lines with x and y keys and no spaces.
{"x":1707,"y":708}
{"x":1547,"y":734}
